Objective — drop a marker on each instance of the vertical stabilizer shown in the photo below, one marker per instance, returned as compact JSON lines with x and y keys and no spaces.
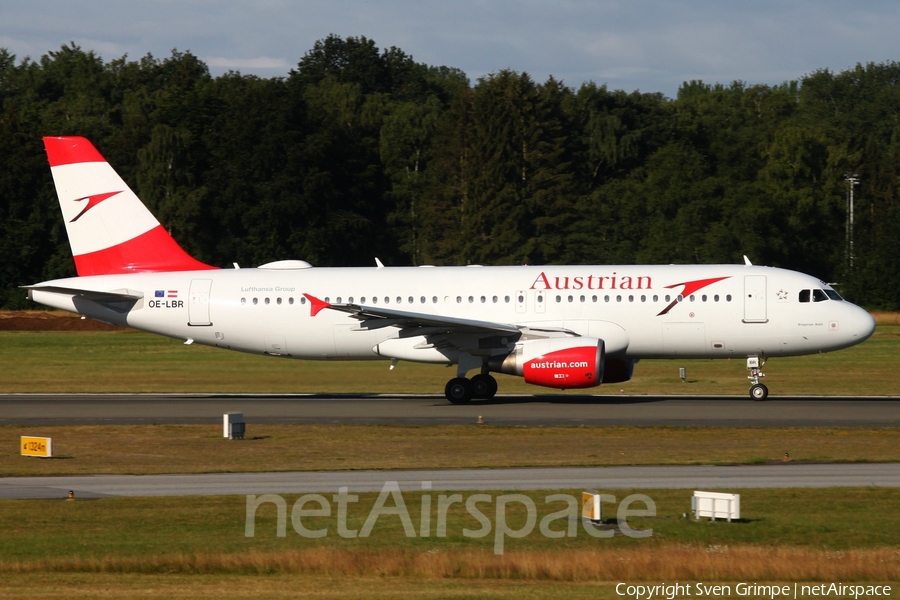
{"x":110,"y":230}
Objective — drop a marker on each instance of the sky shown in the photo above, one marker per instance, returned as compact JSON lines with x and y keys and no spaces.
{"x":645,"y":45}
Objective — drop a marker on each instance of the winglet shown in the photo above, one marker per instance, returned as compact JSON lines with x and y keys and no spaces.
{"x":316,"y":305}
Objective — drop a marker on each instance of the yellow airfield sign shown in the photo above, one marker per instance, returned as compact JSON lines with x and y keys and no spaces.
{"x":36,"y":446}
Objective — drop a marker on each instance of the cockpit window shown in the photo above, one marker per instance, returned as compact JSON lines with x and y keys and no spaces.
{"x":819,"y":296}
{"x":803,"y":296}
{"x":833,"y":295}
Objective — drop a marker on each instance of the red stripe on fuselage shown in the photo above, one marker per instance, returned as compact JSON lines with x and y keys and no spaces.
{"x":151,"y":252}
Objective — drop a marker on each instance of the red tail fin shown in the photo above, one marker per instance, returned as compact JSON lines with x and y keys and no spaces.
{"x":110,"y":230}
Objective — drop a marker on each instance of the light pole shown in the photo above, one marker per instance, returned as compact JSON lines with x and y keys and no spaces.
{"x":852,"y":180}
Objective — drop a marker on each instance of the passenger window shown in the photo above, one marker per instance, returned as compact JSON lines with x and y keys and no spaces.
{"x":412,"y":300}
{"x":434,"y":299}
{"x":495,"y":299}
{"x":570,"y":298}
{"x":267,"y":300}
{"x":558,"y":299}
{"x":643,"y":298}
{"x":471,"y":299}
{"x":338,"y":300}
{"x":422,"y":299}
{"x":703,"y":297}
{"x":350,"y":299}
{"x":506,"y":299}
{"x":803,"y":296}
{"x":374,"y":299}
{"x":668,"y":298}
{"x":606,"y":298}
{"x":618,"y":298}
{"x":278,"y":301}
{"x":728,"y":298}
{"x":819,"y":296}
{"x":594,"y":299}
{"x":631,"y":298}
{"x":255,"y":301}
{"x":459,"y":299}
{"x":655,"y":298}
{"x":582,"y":298}
{"x":243,"y":301}
{"x":387,"y":300}
{"x":291,"y":300}
{"x":483,"y":299}
{"x":716,"y":298}
{"x":303,"y":300}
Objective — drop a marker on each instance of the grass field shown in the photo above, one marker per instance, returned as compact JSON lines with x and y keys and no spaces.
{"x":126,"y":361}
{"x":846,"y":534}
{"x":145,"y":449}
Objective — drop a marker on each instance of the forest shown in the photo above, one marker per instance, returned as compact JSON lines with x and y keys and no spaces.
{"x":361,"y":152}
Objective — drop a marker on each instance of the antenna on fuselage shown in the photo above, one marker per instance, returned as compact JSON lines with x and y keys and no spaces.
{"x":747,"y":262}
{"x":378,"y":263}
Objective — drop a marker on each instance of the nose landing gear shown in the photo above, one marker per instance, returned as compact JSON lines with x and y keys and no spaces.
{"x":758,"y":391}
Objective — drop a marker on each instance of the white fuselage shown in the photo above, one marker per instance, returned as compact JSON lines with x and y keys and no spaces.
{"x":741,"y":311}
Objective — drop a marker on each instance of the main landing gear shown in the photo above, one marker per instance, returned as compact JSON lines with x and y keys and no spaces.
{"x":758,"y":391}
{"x":460,"y":390}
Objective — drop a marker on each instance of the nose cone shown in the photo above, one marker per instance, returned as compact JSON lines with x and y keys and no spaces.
{"x":860,"y":324}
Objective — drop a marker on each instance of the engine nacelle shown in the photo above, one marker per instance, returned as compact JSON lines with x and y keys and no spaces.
{"x":562,"y":363}
{"x":617,"y":370}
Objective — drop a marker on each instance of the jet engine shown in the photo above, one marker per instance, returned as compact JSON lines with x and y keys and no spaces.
{"x":562,"y":363}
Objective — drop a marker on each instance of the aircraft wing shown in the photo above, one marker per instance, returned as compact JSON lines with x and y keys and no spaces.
{"x":376,"y":317}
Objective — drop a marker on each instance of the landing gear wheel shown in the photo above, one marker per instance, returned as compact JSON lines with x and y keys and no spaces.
{"x":459,"y":390}
{"x":759,"y":392}
{"x":484,"y":386}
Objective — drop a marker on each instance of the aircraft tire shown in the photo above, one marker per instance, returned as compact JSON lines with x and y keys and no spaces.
{"x":484,"y":386}
{"x":759,"y":392}
{"x":459,"y":390}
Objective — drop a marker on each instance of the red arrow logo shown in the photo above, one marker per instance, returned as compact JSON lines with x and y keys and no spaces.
{"x":92,"y":201}
{"x":689,"y":288}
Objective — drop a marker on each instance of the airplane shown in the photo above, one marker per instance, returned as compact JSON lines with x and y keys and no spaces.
{"x":563,"y":327}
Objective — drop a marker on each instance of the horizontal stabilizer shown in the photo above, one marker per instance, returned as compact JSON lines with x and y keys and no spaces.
{"x":92,"y":295}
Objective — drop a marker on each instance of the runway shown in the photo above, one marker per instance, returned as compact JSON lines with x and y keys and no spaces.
{"x":534,"y":410}
{"x":603,"y":478}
